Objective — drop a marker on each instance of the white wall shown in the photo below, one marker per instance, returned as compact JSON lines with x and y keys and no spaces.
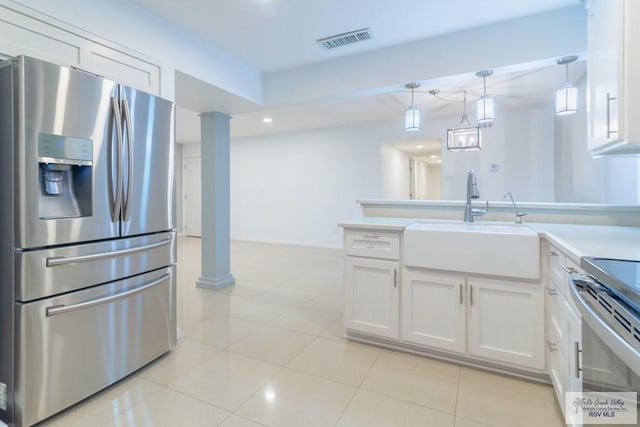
{"x":520,"y":145}
{"x":295,"y":187}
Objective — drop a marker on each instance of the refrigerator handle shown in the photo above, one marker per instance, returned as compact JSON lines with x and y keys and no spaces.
{"x":127,"y":120}
{"x":115,"y":210}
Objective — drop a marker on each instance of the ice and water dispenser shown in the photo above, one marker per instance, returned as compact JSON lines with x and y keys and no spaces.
{"x":65,"y":169}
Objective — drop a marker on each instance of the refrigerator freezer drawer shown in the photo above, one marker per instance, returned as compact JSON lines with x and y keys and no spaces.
{"x":72,"y":346}
{"x":52,"y":271}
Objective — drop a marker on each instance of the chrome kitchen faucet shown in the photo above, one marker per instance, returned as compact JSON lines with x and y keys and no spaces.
{"x":473,"y":193}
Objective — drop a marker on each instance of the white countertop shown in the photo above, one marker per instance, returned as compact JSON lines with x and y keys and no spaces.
{"x":580,"y":240}
{"x":593,"y":240}
{"x":378,"y":223}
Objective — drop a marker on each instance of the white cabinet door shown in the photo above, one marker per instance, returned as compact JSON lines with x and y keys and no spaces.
{"x":506,"y":321}
{"x":603,"y":66}
{"x":613,"y":90}
{"x":372,"y":296}
{"x":557,"y":367}
{"x":433,"y":309}
{"x":573,"y":348}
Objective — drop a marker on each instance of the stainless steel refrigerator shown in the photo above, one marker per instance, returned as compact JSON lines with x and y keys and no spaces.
{"x":87,"y":235}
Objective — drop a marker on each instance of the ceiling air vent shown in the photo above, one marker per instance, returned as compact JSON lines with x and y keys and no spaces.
{"x":345,"y":38}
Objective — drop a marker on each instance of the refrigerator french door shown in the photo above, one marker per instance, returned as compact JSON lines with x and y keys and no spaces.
{"x":88,"y":254}
{"x":115,"y":143}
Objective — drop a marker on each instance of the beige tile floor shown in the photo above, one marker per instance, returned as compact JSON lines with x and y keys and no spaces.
{"x":270,"y":351}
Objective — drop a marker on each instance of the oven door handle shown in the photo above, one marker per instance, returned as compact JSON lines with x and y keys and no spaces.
{"x":60,"y":309}
{"x":611,"y":338}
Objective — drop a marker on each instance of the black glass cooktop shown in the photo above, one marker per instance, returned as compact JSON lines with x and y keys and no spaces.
{"x":620,"y":276}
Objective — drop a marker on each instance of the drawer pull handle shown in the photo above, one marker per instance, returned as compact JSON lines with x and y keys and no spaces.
{"x":53,"y":261}
{"x":395,"y":278}
{"x":60,"y":309}
{"x":460,"y":293}
{"x":552,"y":346}
{"x":552,"y":291}
{"x":569,"y":270}
{"x":470,"y":294}
{"x":552,"y":253}
{"x":370,"y":236}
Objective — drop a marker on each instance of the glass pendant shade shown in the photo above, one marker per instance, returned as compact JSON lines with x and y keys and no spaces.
{"x":567,"y":96}
{"x":484,"y":110}
{"x":566,"y":100}
{"x":412,"y":119}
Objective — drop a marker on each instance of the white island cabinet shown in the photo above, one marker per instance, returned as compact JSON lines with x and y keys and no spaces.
{"x":433,"y":309}
{"x":372,"y":290}
{"x":613,"y":89}
{"x":495,"y":319}
{"x":506,"y":321}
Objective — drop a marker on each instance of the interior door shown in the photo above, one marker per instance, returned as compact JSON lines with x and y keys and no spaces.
{"x":60,"y":112}
{"x":192,"y":197}
{"x":148,"y":197}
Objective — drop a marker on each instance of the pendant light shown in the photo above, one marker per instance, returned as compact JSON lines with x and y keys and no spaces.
{"x":484,"y":111}
{"x":567,"y":96}
{"x":412,"y":115}
{"x":464,"y":137}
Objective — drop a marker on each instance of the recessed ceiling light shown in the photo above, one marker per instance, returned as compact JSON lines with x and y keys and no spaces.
{"x":433,"y":156}
{"x":439,"y":161}
{"x":267,"y":120}
{"x":420,"y":146}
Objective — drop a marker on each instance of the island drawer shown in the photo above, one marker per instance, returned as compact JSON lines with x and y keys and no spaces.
{"x":372,"y":244}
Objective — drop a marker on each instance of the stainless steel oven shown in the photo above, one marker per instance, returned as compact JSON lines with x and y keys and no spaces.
{"x":608,"y":299}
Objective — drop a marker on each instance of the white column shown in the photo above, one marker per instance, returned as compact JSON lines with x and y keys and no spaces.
{"x":216,"y":235}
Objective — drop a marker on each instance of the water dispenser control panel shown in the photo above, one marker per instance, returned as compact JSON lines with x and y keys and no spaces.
{"x":66,"y":150}
{"x":66,"y":176}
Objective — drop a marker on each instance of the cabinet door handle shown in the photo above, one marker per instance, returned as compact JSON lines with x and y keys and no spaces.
{"x":577,"y":354}
{"x":470,"y":294}
{"x":395,"y":278}
{"x":552,"y":346}
{"x":460,"y":286}
{"x":370,"y":236}
{"x":609,"y":99}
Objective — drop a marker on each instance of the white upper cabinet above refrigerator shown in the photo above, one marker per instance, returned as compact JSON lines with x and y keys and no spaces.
{"x":614,"y":87}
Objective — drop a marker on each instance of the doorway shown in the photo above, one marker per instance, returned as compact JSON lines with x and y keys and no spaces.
{"x":425,"y":179}
{"x":191,"y":190}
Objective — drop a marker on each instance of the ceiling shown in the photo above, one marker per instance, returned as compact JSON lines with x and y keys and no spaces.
{"x":276,"y":35}
{"x":512,"y":91}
